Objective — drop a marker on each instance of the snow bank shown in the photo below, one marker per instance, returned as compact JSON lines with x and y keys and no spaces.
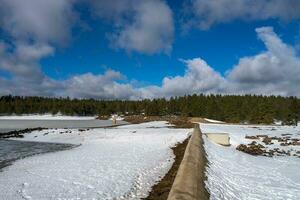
{"x":213,"y":121}
{"x":115,"y":163}
{"x":236,"y":175}
{"x":45,"y":117}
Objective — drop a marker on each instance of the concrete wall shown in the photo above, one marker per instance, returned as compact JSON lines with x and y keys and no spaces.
{"x":189,"y":181}
{"x":219,"y":138}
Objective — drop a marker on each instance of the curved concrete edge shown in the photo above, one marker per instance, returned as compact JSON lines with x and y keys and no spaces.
{"x":219,"y":138}
{"x":189,"y":182}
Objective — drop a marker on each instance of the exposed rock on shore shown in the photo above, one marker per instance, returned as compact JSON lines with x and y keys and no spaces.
{"x":252,"y":149}
{"x":256,"y":148}
{"x":19,"y":133}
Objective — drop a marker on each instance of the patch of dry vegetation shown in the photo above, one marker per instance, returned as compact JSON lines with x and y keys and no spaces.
{"x":176,"y":121}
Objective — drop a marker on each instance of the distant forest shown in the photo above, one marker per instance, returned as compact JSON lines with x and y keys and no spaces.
{"x":229,"y":108}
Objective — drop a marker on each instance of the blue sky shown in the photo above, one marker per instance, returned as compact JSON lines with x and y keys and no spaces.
{"x":221,"y":46}
{"x":146,"y":49}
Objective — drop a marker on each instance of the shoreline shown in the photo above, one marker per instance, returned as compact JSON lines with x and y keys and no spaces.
{"x":32,"y":149}
{"x":160,"y":190}
{"x":21,"y":132}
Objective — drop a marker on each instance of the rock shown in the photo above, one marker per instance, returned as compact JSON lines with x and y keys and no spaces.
{"x":296,"y":143}
{"x":267,"y":141}
{"x":241,"y":147}
{"x":285,"y":134}
{"x":252,"y":137}
{"x":275,"y":138}
{"x":262,"y":136}
{"x":251,"y":149}
{"x":261,"y":146}
{"x":285,"y":144}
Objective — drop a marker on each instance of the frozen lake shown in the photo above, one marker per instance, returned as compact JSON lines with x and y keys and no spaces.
{"x":11,"y":150}
{"x":19,"y":124}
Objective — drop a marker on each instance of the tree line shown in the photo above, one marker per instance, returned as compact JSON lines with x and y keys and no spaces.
{"x":229,"y":108}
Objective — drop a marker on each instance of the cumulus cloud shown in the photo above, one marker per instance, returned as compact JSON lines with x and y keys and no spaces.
{"x":35,"y":27}
{"x":32,"y":27}
{"x":42,"y":20}
{"x":275,"y":71}
{"x":203,"y":13}
{"x":199,"y":77}
{"x":99,"y":86}
{"x":114,"y":11}
{"x":21,"y":60}
{"x":140,"y":26}
{"x":151,"y":31}
{"x":272,"y":72}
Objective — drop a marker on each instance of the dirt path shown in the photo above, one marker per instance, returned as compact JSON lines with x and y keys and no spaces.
{"x":161,"y":190}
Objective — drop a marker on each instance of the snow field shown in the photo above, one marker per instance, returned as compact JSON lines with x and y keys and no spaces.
{"x":234,"y":175}
{"x":116,"y":163}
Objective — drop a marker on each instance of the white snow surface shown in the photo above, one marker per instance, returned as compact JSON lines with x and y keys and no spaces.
{"x":46,"y":117}
{"x":234,"y":175}
{"x":112,"y":163}
{"x":213,"y":121}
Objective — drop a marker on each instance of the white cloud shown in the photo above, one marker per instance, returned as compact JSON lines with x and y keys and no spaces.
{"x":199,"y":77}
{"x":21,"y":60}
{"x":151,"y":31}
{"x":146,"y":27}
{"x":98,"y":86}
{"x":206,"y":13}
{"x":35,"y":27}
{"x":41,"y":20}
{"x":140,"y":26}
{"x":273,"y":72}
{"x":114,"y":11}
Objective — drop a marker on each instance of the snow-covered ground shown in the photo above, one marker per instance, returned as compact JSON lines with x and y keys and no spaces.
{"x":236,"y":175}
{"x":213,"y":121}
{"x":114,"y":163}
{"x":46,"y":117}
